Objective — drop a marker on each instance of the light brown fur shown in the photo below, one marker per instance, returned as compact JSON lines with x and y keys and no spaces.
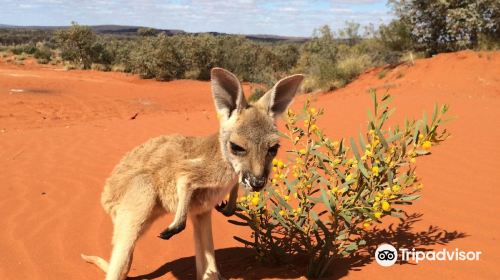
{"x":190,"y":175}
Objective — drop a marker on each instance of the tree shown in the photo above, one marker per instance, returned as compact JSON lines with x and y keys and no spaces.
{"x":351,"y":33}
{"x":440,"y":26}
{"x":77,"y":44}
{"x":146,"y":31}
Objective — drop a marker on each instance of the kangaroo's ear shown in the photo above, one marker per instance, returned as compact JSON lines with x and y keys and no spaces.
{"x":227,"y":93}
{"x":277,"y":99}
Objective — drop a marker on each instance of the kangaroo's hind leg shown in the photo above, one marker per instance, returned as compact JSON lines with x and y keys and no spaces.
{"x":131,"y":216}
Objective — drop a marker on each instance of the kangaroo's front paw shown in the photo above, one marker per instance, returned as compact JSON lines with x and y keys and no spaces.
{"x":224,"y":208}
{"x":171,"y":231}
{"x":221,"y":206}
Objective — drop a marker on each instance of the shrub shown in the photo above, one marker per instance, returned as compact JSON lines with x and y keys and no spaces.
{"x":256,"y":94}
{"x":77,"y":45}
{"x":318,"y":58}
{"x":43,"y":55}
{"x":443,"y":26}
{"x":395,"y":36}
{"x":329,"y":194}
{"x":146,"y":31}
{"x":158,"y":57}
{"x":23,"y":49}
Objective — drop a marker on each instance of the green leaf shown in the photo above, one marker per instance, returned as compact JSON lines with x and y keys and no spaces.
{"x":393,"y":138}
{"x":355,"y":150}
{"x":347,"y":218}
{"x":382,"y":138}
{"x":326,"y":200}
{"x":282,"y":135}
{"x":410,"y":198}
{"x":352,"y":247}
{"x":422,"y":152}
{"x":362,"y":141}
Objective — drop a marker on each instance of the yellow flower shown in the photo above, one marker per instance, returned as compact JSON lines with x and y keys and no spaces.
{"x":378,"y":215}
{"x":427,"y":145}
{"x":286,"y":197}
{"x":275,"y":162}
{"x":387,"y":191}
{"x":314,"y":127}
{"x":280,"y":164}
{"x":396,"y":188}
{"x":312,"y":110}
{"x":368,"y":153}
{"x":274,"y":181}
{"x":386,"y":206}
{"x":302,"y":151}
{"x":255,"y":200}
{"x":334,"y":190}
{"x":366,"y":225}
{"x":348,"y":177}
{"x":335,"y":143}
{"x":282,"y":212}
{"x":375,"y":170}
{"x":413,"y":160}
{"x":377,"y":198}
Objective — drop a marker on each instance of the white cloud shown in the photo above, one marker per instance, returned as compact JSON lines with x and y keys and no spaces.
{"x":295,"y":17}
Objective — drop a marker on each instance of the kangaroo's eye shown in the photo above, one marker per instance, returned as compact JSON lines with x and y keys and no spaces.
{"x":237,"y":150}
{"x":273,"y":150}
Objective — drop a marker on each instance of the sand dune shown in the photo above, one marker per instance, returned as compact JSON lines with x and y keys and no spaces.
{"x":62,"y":132}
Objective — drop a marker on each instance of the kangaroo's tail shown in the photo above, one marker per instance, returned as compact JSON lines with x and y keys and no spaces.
{"x":102,"y":264}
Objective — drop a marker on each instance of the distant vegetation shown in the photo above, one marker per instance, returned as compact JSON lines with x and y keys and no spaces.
{"x":330,"y":60}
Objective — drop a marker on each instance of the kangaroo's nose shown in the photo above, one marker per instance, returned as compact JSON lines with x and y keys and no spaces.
{"x":257,"y":183}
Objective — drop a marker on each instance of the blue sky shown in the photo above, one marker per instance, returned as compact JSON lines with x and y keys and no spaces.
{"x":291,"y":18}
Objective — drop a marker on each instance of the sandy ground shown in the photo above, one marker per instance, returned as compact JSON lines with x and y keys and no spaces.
{"x":62,"y":132}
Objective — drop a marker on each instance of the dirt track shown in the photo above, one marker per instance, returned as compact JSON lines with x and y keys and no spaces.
{"x":62,"y":132}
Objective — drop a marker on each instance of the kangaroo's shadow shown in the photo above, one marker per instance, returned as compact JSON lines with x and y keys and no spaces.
{"x":241,"y":263}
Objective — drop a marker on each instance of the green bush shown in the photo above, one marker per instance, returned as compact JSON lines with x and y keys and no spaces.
{"x":330,"y":193}
{"x":443,"y":26}
{"x":43,"y":55}
{"x":158,"y":57}
{"x":79,"y":45}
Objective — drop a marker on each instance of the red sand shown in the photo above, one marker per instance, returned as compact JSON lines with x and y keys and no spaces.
{"x":62,"y":135}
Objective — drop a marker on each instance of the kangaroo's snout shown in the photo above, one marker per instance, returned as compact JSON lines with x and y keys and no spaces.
{"x":256,"y":183}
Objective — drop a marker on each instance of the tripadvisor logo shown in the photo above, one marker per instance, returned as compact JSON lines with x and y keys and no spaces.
{"x":387,"y":255}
